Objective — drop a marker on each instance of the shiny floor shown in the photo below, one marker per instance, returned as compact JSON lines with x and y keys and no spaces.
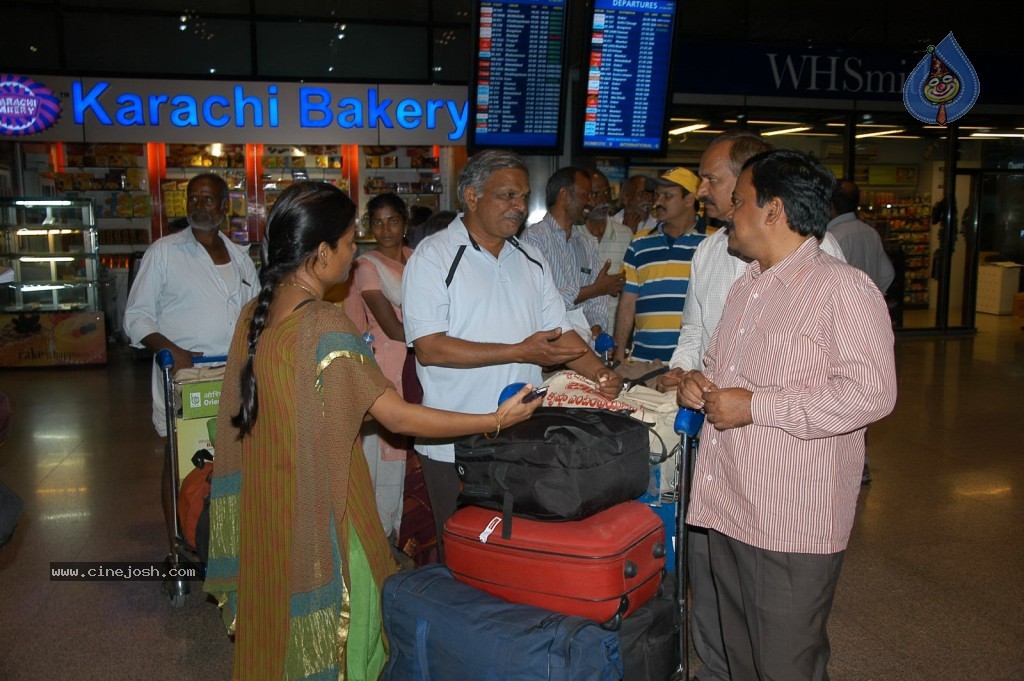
{"x":932,"y":586}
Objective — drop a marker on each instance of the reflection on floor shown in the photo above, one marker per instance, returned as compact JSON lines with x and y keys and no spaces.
{"x":931,"y":587}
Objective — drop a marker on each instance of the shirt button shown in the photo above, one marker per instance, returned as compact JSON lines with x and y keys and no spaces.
{"x":742,"y":331}
{"x":710,"y":478}
{"x":714,"y":442}
{"x":732,"y":368}
{"x":755,"y":296}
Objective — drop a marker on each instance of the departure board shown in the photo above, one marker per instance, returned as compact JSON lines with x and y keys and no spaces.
{"x":519,"y":74}
{"x":628,"y":84}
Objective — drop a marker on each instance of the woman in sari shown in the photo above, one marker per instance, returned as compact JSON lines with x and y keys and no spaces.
{"x":297,"y":553}
{"x":374,"y":303}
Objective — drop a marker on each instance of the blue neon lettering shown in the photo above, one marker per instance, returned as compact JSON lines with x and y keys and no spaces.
{"x":409,"y":113}
{"x":155,"y":102}
{"x":314,"y":100}
{"x":272,"y":105}
{"x":187,"y":113}
{"x":432,"y":106}
{"x":81,"y":104}
{"x":459,"y":118}
{"x":241,"y":101}
{"x":351,"y":115}
{"x":378,"y":110}
{"x":131,"y":112}
{"x":209,"y":118}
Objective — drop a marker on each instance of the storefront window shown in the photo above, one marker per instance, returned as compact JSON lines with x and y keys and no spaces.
{"x":451,"y":55}
{"x":357,"y":51}
{"x":95,"y":42}
{"x":29,"y":38}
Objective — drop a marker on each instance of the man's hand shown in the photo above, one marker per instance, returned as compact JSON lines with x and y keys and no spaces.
{"x":182,"y":358}
{"x":668,"y":382}
{"x":609,"y":284}
{"x":691,"y":389}
{"x":608,"y":382}
{"x":543,"y":349}
{"x":728,"y":408}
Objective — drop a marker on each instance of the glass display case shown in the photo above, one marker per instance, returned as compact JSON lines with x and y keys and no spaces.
{"x":49,"y":269}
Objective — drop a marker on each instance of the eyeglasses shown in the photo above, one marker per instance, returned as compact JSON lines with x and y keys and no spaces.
{"x":207,"y":200}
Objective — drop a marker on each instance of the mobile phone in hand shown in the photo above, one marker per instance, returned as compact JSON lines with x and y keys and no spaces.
{"x":539,"y":392}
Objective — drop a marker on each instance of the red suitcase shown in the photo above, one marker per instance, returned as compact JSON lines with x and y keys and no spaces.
{"x":603,"y":567}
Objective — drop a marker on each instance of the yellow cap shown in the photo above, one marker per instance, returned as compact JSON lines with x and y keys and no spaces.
{"x":680,"y":177}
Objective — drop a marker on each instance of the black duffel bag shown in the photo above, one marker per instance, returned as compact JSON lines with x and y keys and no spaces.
{"x":560,"y":464}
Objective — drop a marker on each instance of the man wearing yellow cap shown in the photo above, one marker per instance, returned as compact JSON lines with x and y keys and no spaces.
{"x":657,"y":268}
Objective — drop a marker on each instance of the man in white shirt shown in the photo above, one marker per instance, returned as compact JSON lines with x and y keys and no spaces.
{"x":860,"y":242}
{"x":611,"y":236}
{"x":636,"y":198}
{"x":190,"y":288}
{"x":482,"y":311}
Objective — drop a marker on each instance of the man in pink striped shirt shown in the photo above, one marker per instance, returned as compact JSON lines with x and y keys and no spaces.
{"x":800,"y":364}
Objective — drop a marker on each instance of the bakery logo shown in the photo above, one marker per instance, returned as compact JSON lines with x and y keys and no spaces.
{"x":26,"y":107}
{"x":943,"y":86}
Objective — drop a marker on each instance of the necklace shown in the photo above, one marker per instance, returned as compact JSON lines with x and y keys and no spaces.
{"x":304,"y":288}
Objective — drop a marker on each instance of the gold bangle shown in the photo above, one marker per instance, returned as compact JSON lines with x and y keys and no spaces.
{"x":497,"y":421}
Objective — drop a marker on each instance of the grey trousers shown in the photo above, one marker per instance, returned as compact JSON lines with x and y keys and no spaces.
{"x":774,"y":608}
{"x":707,"y":627}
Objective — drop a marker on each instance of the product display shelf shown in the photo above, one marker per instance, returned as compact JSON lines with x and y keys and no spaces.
{"x":908,"y":222}
{"x":283,"y":165}
{"x":50,"y":267}
{"x":114,"y":177}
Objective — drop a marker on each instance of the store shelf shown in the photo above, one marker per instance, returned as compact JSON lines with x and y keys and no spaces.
{"x":907,"y":221}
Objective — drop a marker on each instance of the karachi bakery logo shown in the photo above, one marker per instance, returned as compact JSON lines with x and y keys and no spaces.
{"x":26,"y":107}
{"x":943,"y":86}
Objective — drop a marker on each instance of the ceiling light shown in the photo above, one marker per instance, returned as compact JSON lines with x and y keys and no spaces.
{"x":881,"y":133}
{"x":688,"y":128}
{"x":785,"y":131}
{"x":992,"y":135}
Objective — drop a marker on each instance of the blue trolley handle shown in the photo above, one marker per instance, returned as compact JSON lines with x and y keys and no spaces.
{"x":688,"y":424}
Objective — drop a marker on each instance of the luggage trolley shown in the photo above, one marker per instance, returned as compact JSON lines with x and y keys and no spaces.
{"x":687,"y":424}
{"x":181,"y":552}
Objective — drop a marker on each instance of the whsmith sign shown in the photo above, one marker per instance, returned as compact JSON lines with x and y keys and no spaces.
{"x":822,"y":73}
{"x":127,"y":110}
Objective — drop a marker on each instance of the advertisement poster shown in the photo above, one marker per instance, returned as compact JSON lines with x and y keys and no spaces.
{"x":33,"y":339}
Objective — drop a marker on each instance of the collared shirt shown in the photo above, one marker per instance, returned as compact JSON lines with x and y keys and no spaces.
{"x":713,"y":271}
{"x":648,"y":223}
{"x":657,"y":268}
{"x":489,"y":300}
{"x":863,"y":248}
{"x":178,"y":292}
{"x":612,"y":247}
{"x":574,"y":264}
{"x":811,"y":338}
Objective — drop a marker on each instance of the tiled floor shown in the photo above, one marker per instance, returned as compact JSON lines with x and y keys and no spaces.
{"x":932,"y":586}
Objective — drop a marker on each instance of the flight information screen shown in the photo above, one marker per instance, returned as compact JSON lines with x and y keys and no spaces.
{"x":628,"y":86}
{"x":519,"y":74}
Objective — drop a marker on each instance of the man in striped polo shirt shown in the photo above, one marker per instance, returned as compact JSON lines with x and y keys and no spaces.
{"x":801,"y":362}
{"x":657,"y":268}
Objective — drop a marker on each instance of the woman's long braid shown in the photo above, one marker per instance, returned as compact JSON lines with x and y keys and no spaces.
{"x":249,"y":407}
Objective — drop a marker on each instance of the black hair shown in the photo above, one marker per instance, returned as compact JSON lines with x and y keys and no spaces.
{"x":801,"y":182}
{"x":388,"y":200}
{"x":563,"y":178}
{"x":304,"y":216}
{"x":419,"y":214}
{"x":846,"y":197}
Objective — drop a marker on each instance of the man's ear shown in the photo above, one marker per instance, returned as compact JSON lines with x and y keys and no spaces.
{"x":471,"y":198}
{"x":774,"y":210}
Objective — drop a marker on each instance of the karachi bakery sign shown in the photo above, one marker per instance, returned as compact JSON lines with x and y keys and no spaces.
{"x":129,"y":110}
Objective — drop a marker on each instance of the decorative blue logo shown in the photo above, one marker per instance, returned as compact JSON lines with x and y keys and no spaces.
{"x":26,"y":107}
{"x":943,"y":86}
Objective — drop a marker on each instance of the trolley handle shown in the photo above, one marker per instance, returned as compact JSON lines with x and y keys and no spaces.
{"x":165,"y":359}
{"x":689,"y":422}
